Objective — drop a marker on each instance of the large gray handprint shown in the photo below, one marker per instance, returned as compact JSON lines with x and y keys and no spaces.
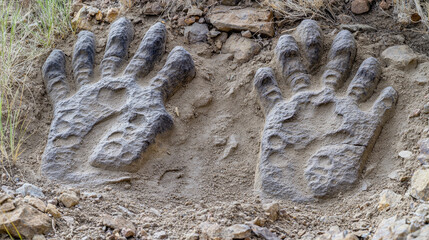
{"x":106,"y":125}
{"x":315,"y":143}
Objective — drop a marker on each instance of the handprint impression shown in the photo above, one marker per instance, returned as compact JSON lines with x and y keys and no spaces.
{"x":107,"y":124}
{"x":315,"y":143}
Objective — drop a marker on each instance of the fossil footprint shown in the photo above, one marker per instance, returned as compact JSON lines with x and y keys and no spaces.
{"x":315,"y":143}
{"x":108,"y":122}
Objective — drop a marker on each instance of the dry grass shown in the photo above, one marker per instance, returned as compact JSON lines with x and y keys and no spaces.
{"x":26,"y":33}
{"x":406,"y":8}
{"x":293,"y":10}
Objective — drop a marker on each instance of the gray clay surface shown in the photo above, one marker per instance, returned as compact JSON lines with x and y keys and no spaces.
{"x":315,"y":143}
{"x":99,"y":132}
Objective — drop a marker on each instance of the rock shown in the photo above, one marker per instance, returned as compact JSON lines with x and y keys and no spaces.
{"x":415,"y":113}
{"x":264,"y":233}
{"x":423,"y":156}
{"x":142,"y":234}
{"x":238,"y":231}
{"x":118,"y":222}
{"x":210,"y":231}
{"x":360,"y":6}
{"x":4,"y":198}
{"x":31,"y":190}
{"x":219,"y":141}
{"x":246,"y":34}
{"x":255,"y":20}
{"x":196,"y":33}
{"x":422,"y":234}
{"x":155,"y":211}
{"x":272,"y":210}
{"x":421,"y":73}
{"x":229,"y":2}
{"x":51,"y":209}
{"x":127,"y":232}
{"x":92,"y":11}
{"x":112,"y":14}
{"x":69,"y":199}
{"x":258,"y":221}
{"x":194,"y":12}
{"x":405,"y":154}
{"x":242,"y":48}
{"x":401,"y":57}
{"x":202,"y":98}
{"x":35,"y":202}
{"x":344,"y":19}
{"x":26,"y":219}
{"x":8,"y":190}
{"x":152,"y":8}
{"x":231,"y":146}
{"x":392,"y":228}
{"x":384,"y":5}
{"x":190,"y":20}
{"x":7,"y":206}
{"x":350,"y":236}
{"x":358,"y":27}
{"x":192,"y":236}
{"x":214,"y":33}
{"x":76,"y":6}
{"x":39,"y":237}
{"x":420,"y":184}
{"x":221,"y":39}
{"x":396,"y":175}
{"x":81,"y":19}
{"x":388,"y":199}
{"x":426,"y":108}
{"x":99,"y":16}
{"x":127,"y":3}
{"x":160,"y":235}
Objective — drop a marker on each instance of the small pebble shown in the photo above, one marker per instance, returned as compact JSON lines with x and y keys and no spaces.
{"x":426,"y":108}
{"x":405,"y":154}
{"x":415,"y":113}
{"x":246,"y":34}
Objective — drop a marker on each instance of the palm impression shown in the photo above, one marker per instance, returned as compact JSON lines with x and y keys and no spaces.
{"x":104,"y":127}
{"x":315,"y":143}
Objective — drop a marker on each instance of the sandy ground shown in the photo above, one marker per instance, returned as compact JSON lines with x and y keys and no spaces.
{"x":185,"y":180}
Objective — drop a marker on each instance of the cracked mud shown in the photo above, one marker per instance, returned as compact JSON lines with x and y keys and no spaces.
{"x":99,"y":132}
{"x":315,"y":143}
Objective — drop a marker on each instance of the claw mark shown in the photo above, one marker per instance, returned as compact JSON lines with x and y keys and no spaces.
{"x":106,"y":126}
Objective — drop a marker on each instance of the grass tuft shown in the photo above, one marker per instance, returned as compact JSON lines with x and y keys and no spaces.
{"x":293,"y":10}
{"x":406,"y":8}
{"x":26,"y":32}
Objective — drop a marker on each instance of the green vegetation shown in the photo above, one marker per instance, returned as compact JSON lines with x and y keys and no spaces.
{"x":9,"y":234}
{"x":28,"y":29}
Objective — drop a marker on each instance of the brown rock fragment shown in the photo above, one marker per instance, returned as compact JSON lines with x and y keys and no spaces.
{"x":189,"y":20}
{"x":360,"y":6}
{"x":35,"y":202}
{"x":51,"y":209}
{"x":152,"y":8}
{"x":384,"y":5}
{"x":69,"y":199}
{"x":112,"y":14}
{"x":255,"y":20}
{"x":26,"y":219}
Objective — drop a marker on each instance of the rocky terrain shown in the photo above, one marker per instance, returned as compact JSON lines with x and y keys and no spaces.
{"x":329,"y":139}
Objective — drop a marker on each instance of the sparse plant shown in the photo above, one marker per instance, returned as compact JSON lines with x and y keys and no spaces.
{"x":412,"y":11}
{"x":26,"y":33}
{"x":293,"y":10}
